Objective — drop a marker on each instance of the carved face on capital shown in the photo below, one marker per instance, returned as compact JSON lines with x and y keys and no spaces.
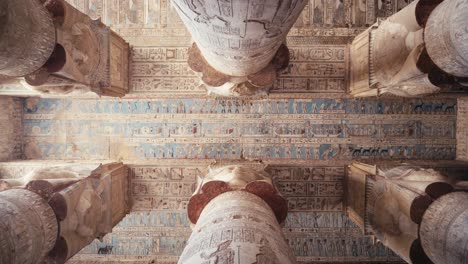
{"x":236,"y":176}
{"x":83,"y":47}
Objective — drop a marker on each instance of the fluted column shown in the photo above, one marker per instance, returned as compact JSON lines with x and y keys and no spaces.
{"x":237,"y":41}
{"x":28,"y":227}
{"x":419,"y":50}
{"x":235,"y":214}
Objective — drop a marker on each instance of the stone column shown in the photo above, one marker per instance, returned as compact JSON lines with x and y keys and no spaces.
{"x":237,"y":227}
{"x":400,"y":55}
{"x":28,"y":227}
{"x":52,"y":48}
{"x":237,"y":43}
{"x":27,"y":37}
{"x":89,"y":209}
{"x":234,"y":221}
{"x":391,"y":203}
{"x":446,"y":37}
{"x":82,"y":208}
{"x":444,"y":229}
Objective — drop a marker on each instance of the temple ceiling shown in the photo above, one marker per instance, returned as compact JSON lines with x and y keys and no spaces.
{"x":168,"y":131}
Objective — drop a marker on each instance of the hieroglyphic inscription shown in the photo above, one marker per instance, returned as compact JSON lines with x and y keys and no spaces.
{"x":314,"y":69}
{"x":310,"y":189}
{"x":462,"y":129}
{"x":11,"y":129}
{"x":163,"y":70}
{"x":155,"y":21}
{"x":140,"y":22}
{"x":294,"y":129}
{"x":160,"y":231}
{"x":155,"y":25}
{"x":163,"y":188}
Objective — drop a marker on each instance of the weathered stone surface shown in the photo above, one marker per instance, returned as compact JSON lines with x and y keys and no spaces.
{"x":223,"y":179}
{"x":11,"y":128}
{"x":28,"y":227}
{"x":462,"y":129}
{"x":84,"y":203}
{"x":392,"y":203}
{"x":90,"y":208}
{"x":443,"y":231}
{"x":168,"y":99}
{"x":27,"y":37}
{"x":390,"y":57}
{"x":77,"y":55}
{"x":446,"y":37}
{"x":239,"y":38}
{"x":237,"y":226}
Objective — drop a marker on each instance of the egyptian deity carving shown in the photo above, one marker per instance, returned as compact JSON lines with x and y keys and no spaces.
{"x":88,"y":209}
{"x":223,"y":179}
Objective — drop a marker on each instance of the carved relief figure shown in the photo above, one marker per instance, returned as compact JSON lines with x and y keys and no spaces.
{"x":385,"y":8}
{"x":339,"y":16}
{"x":318,"y":12}
{"x":199,"y":8}
{"x":223,"y":254}
{"x":273,"y":27}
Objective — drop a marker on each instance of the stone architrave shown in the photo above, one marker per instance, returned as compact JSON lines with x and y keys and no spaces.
{"x":396,"y":57}
{"x":28,"y":227}
{"x":61,"y":50}
{"x":237,"y":48}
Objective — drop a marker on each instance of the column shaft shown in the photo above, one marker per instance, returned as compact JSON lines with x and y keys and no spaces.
{"x":237,"y":227}
{"x":27,"y":37}
{"x":239,"y":45}
{"x":444,"y":229}
{"x":236,"y":37}
{"x":446,"y":37}
{"x":28,"y":227}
